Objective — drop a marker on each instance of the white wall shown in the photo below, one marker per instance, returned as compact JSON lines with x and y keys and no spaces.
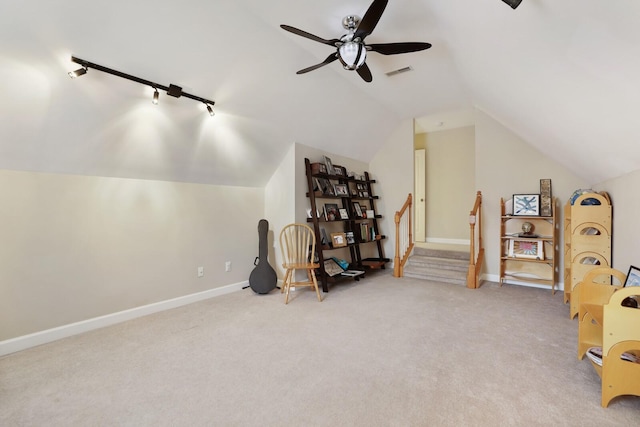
{"x":77,"y":247}
{"x":626,"y":227}
{"x":280,"y":205}
{"x":392,"y":167}
{"x":506,"y":164}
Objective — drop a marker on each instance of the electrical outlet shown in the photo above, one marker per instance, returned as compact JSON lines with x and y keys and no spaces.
{"x":227,"y":266}
{"x":200,"y":271}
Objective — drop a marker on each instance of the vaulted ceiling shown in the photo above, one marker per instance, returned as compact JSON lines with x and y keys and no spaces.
{"x":563,"y":75}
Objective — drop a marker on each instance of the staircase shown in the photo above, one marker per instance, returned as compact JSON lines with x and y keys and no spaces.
{"x":438,"y":265}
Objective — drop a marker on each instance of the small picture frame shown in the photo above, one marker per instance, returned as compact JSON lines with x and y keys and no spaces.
{"x":343,"y":213}
{"x":350,"y":238}
{"x":339,"y":170}
{"x":331,"y":212}
{"x":357,"y":209}
{"x":545,"y":198}
{"x":526,"y":248}
{"x":341,"y":190}
{"x":526,"y":204}
{"x":633,"y":277}
{"x":324,"y":238}
{"x":328,"y":164}
{"x":339,"y":240}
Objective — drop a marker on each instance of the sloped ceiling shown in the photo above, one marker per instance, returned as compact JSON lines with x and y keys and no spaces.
{"x":564,"y":75}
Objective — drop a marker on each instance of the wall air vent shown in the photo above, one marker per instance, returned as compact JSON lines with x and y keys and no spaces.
{"x":399,"y":71}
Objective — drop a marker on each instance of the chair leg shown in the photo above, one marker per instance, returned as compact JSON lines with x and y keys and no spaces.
{"x":284,"y":282}
{"x":312,"y":275}
{"x":288,"y":285}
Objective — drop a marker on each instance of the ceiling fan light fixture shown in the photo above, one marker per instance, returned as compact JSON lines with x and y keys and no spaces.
{"x":352,"y":55}
{"x":513,"y":3}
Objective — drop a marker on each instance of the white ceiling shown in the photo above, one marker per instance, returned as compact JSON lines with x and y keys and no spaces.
{"x":563,"y":75}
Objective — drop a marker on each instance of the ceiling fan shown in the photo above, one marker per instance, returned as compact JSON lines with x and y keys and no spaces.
{"x":351,"y":49}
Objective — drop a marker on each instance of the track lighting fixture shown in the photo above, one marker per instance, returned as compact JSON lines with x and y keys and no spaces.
{"x":77,"y":73}
{"x":513,"y":3}
{"x":172,"y":90}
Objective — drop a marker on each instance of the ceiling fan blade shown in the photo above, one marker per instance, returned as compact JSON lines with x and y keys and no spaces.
{"x":365,"y":73}
{"x":329,"y":60}
{"x":298,"y":32}
{"x":370,"y":19}
{"x":396,"y":48}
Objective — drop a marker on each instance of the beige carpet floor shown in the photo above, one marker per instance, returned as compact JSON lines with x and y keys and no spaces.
{"x":378,"y":352}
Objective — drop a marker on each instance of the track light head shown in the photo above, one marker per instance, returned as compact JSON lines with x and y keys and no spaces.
{"x":77,"y":73}
{"x":513,"y":3}
{"x":210,"y":110}
{"x":156,"y":95}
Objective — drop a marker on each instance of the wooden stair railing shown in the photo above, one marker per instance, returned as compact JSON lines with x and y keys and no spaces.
{"x":404,"y":237}
{"x":476,"y":246}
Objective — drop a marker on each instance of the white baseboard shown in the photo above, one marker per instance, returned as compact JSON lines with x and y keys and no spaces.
{"x":448,"y":241}
{"x":27,"y":341}
{"x":496,"y":278}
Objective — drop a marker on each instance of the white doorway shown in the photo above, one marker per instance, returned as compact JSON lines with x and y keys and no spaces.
{"x":420,"y":196}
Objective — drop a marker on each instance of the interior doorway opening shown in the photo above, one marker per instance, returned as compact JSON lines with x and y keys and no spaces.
{"x":444,"y":182}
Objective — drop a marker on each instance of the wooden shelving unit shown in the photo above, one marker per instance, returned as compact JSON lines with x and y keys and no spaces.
{"x":352,"y":224}
{"x":531,"y":258}
{"x":588,"y":241}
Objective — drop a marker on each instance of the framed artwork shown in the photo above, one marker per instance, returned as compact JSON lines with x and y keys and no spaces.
{"x":339,"y":240}
{"x":526,"y":204}
{"x":633,"y":277}
{"x":324,"y":238}
{"x":545,"y":198}
{"x":339,"y":170}
{"x":526,"y":249}
{"x":331,"y":211}
{"x":328,"y":164}
{"x":343,"y":213}
{"x":350,"y":238}
{"x":341,"y":190}
{"x":325,"y":186}
{"x":357,"y":209}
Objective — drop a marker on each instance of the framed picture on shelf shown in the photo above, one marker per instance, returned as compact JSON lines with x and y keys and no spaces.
{"x":545,"y":198}
{"x":357,"y":209}
{"x":325,"y":186}
{"x":341,"y":190}
{"x":343,"y":213}
{"x":363,"y":209}
{"x":324,"y":238}
{"x":533,"y":249}
{"x":526,"y":204}
{"x":350,"y":238}
{"x":328,"y":164}
{"x":339,"y":240}
{"x":633,"y":277}
{"x":370,"y":213}
{"x":339,"y":170}
{"x":331,"y":211}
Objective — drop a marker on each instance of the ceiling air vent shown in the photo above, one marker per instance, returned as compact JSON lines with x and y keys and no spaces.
{"x":399,"y":71}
